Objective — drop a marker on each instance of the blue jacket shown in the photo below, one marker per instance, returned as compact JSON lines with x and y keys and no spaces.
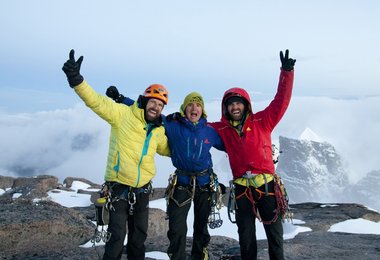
{"x":190,"y":146}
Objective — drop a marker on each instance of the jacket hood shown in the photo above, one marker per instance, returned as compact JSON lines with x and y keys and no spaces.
{"x":235,"y":92}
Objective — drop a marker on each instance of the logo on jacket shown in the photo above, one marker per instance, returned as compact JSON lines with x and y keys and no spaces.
{"x":248,"y":129}
{"x":206,"y":141}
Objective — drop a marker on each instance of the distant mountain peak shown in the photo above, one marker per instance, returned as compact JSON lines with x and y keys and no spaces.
{"x":310,"y":135}
{"x":312,"y":171}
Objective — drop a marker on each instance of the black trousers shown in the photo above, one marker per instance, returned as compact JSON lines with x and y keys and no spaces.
{"x":137,"y":227}
{"x":178,"y":227}
{"x":246,"y":220}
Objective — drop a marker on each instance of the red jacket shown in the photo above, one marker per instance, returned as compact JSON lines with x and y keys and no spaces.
{"x":252,"y":151}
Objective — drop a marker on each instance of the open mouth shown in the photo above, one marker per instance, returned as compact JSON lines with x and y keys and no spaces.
{"x":151,"y":111}
{"x":236,"y":112}
{"x":193,"y":114}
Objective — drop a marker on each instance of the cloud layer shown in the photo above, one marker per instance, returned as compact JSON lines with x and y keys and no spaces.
{"x":74,"y":142}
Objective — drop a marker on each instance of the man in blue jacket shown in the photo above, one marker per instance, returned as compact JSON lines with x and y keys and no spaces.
{"x":190,"y":140}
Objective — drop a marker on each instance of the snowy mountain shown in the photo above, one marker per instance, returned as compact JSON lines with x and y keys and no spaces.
{"x":310,"y":135}
{"x":366,"y":191}
{"x":311,"y":171}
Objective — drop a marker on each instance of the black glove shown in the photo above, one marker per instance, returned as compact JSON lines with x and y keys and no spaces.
{"x":113,"y":93}
{"x":286,"y":62}
{"x":72,"y":70}
{"x":173,"y":116}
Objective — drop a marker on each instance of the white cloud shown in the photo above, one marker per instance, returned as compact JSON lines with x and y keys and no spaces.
{"x":74,"y":142}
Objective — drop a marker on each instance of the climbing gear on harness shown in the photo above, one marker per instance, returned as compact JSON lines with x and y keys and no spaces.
{"x":214,"y":220}
{"x":282,"y":199}
{"x":129,"y":194}
{"x":102,"y":217}
{"x":100,"y":235}
{"x":275,"y":153}
{"x":216,"y":203}
{"x":131,"y":201}
{"x":104,"y":205}
{"x":248,"y":180}
{"x":101,"y":209}
{"x":190,"y":187}
{"x":232,"y":206}
{"x":255,"y":180}
{"x":169,"y":192}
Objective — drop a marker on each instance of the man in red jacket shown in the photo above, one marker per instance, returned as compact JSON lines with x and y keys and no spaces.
{"x":247,"y":139}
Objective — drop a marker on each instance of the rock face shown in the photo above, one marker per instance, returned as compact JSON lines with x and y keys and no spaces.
{"x":27,"y":228}
{"x":41,"y":229}
{"x":311,"y":171}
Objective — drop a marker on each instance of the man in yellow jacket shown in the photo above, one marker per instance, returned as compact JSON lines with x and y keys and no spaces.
{"x":136,"y":136}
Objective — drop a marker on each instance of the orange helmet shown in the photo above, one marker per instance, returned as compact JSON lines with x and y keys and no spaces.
{"x":157,"y":91}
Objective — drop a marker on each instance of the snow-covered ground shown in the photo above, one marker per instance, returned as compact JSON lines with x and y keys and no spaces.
{"x":73,"y":199}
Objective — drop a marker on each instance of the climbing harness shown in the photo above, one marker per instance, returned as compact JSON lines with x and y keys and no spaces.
{"x":169,"y":192}
{"x":130,"y":193}
{"x":214,"y":220}
{"x":248,"y":180}
{"x":255,"y":181}
{"x":104,"y":205}
{"x":172,"y":185}
{"x":249,"y":195}
{"x":282,"y":200}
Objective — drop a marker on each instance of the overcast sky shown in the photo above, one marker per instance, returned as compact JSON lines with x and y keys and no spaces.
{"x":208,"y":46}
{"x":200,"y":45}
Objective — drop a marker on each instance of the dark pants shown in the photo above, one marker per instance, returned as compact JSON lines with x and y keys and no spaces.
{"x":245,"y":220}
{"x":177,"y":223}
{"x":137,"y":227}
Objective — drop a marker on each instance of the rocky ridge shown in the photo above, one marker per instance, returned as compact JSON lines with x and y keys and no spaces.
{"x":34,"y":227}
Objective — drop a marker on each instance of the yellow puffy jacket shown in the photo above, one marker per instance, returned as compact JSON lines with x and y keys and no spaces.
{"x":131,"y":149}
